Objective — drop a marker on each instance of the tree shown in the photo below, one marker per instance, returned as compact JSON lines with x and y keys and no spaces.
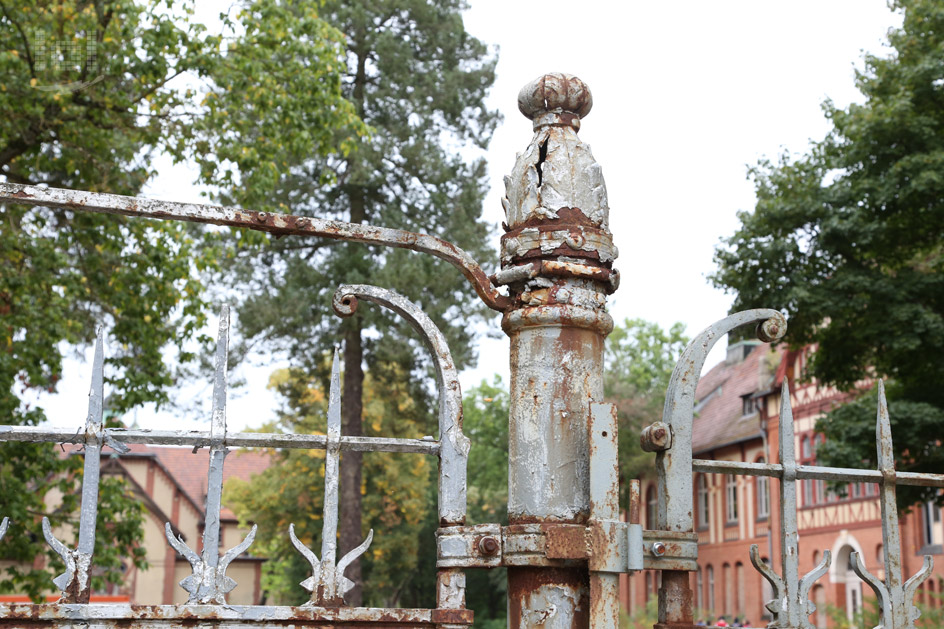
{"x":639,"y":360}
{"x":88,"y":95}
{"x":846,"y":238}
{"x":486,"y":410}
{"x":419,"y":81}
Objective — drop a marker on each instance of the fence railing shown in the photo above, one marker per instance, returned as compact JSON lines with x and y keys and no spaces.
{"x":209,"y":584}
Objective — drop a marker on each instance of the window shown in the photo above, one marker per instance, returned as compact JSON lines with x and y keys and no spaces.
{"x":932,"y":524}
{"x":763,"y":495}
{"x":739,"y":592}
{"x":748,"y":405}
{"x":701,"y":500}
{"x":711,"y":587}
{"x":728,"y":589}
{"x":819,"y":598}
{"x":651,"y":507}
{"x":699,"y":590}
{"x":731,"y":502}
{"x":814,"y":491}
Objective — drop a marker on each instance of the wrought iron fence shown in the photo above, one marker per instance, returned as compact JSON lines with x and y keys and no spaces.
{"x":565,"y":545}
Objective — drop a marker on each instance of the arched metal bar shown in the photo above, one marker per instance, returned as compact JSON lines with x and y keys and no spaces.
{"x":674,"y":464}
{"x":278,"y":224}
{"x":454,"y":446}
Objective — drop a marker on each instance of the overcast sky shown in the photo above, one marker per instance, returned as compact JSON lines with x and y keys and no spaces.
{"x":686,"y":95}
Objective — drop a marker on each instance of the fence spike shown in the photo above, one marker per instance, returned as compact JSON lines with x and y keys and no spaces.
{"x":896,"y":600}
{"x":328,"y":585}
{"x":791,"y":605}
{"x":209,"y":583}
{"x":75,"y":582}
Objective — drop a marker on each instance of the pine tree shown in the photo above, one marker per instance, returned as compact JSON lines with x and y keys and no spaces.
{"x":419,"y":81}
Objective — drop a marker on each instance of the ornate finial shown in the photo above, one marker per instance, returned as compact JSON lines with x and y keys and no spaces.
{"x":557,"y":249}
{"x":555,"y":98}
{"x":556,"y":171}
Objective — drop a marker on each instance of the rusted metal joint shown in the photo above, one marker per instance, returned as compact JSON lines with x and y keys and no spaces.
{"x":679,"y":551}
{"x":478,"y":546}
{"x":605,"y":546}
{"x":656,"y":437}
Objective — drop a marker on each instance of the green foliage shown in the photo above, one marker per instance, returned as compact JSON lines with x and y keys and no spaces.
{"x":850,"y":426}
{"x":396,"y":492}
{"x":85,"y":121}
{"x":485,"y":410}
{"x":847,"y":237}
{"x":89,"y":100}
{"x":644,"y":617}
{"x":274,"y":102}
{"x":419,"y":80}
{"x":640,"y":357}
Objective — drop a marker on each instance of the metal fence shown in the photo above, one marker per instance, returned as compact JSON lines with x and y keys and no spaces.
{"x":565,"y":545}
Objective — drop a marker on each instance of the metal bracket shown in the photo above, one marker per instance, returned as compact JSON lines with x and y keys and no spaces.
{"x":478,"y":546}
{"x":606,"y":546}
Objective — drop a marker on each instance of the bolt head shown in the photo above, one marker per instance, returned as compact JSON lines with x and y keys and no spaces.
{"x":658,"y":549}
{"x":489,"y":546}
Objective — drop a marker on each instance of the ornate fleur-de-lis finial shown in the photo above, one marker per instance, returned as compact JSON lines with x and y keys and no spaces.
{"x":791,"y":605}
{"x":328,"y":585}
{"x":895,"y":600}
{"x":208,"y":583}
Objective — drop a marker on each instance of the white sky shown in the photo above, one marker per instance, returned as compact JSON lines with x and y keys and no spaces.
{"x":686,"y":95}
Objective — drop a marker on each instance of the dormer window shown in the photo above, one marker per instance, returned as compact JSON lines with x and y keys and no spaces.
{"x":748,"y":405}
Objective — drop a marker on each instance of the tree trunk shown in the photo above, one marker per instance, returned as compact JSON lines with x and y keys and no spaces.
{"x":351,"y":424}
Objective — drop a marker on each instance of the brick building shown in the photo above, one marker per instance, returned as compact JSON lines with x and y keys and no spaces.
{"x":737,"y":419}
{"x":171,"y":482}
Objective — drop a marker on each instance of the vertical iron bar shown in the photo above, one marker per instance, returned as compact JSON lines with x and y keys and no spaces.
{"x":790,"y":606}
{"x":896,"y":600}
{"x":889,"y":504}
{"x":75,"y":582}
{"x":93,"y":451}
{"x":211,"y":530}
{"x":208,"y":583}
{"x":604,"y":506}
{"x":329,"y":532}
{"x":789,"y":531}
{"x":674,"y":461}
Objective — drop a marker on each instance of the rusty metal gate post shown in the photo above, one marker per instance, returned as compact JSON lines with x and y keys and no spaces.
{"x":556,"y":258}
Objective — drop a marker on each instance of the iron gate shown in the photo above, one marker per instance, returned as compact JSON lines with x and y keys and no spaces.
{"x":565,"y":545}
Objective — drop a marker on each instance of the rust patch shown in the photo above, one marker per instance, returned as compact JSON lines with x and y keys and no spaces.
{"x":565,"y":216}
{"x":566,"y":541}
{"x":523,"y":582}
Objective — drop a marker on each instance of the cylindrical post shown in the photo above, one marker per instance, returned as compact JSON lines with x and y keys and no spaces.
{"x":557,"y":256}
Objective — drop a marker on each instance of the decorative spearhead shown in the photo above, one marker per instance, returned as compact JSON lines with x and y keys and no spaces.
{"x":328,"y":585}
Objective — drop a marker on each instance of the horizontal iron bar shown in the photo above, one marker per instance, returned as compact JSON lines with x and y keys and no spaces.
{"x":236,"y":440}
{"x":118,"y":615}
{"x":278,"y":224}
{"x":817,"y":472}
